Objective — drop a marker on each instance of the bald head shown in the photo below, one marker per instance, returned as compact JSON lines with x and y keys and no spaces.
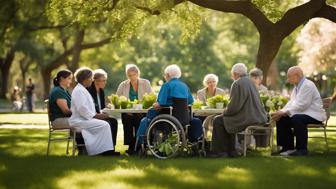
{"x":294,"y":75}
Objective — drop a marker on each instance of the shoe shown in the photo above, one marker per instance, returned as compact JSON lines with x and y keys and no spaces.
{"x":299,"y":153}
{"x":115,"y":153}
{"x":110,"y":153}
{"x":216,"y":155}
{"x":287,"y":153}
{"x":130,"y":152}
{"x":234,"y":154}
{"x":277,"y":153}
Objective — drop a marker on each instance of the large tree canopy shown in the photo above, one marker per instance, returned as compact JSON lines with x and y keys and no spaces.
{"x":274,"y":20}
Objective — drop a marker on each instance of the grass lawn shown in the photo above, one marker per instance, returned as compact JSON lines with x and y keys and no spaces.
{"x":23,"y":164}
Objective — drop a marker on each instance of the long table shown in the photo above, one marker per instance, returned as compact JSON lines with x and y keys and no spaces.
{"x":207,"y":123}
{"x":196,"y":112}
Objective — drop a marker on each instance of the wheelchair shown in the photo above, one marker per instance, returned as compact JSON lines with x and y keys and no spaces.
{"x":168,"y":133}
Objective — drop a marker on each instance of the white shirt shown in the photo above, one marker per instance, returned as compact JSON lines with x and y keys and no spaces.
{"x":82,"y":105}
{"x":305,"y":99}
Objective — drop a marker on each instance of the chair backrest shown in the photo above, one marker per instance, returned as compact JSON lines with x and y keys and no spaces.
{"x":181,"y":110}
{"x":46,"y":103}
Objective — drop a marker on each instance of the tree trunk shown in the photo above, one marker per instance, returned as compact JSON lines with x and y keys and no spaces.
{"x":74,"y":64}
{"x":46,"y":75}
{"x":268,"y":48}
{"x":4,"y":82}
{"x":5,"y":65}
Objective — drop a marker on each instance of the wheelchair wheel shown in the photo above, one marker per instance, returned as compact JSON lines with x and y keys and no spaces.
{"x":165,"y":136}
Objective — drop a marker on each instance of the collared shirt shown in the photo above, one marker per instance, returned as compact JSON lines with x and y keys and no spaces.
{"x":306,"y":100}
{"x":298,"y":86}
{"x":174,"y":88}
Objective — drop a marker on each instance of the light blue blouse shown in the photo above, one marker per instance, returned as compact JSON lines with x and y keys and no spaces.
{"x":174,"y":89}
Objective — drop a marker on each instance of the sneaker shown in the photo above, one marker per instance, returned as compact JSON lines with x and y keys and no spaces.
{"x":287,"y":153}
{"x":299,"y":153}
{"x":277,"y":153}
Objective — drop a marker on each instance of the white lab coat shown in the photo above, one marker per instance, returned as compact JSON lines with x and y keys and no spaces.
{"x":306,"y":101}
{"x":96,"y":133}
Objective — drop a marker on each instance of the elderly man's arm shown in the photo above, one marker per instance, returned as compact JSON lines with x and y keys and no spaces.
{"x":237,"y":100}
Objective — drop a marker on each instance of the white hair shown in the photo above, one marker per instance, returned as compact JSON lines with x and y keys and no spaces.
{"x":239,"y":68}
{"x":173,"y":71}
{"x":98,"y":73}
{"x":132,"y":67}
{"x":209,"y":77}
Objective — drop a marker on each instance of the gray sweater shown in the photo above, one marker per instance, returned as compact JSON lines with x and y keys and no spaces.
{"x":245,"y":107}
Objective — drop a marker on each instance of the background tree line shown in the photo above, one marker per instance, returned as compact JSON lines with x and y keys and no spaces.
{"x":39,"y":37}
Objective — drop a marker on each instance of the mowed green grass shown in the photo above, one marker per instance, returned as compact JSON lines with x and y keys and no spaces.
{"x":23,"y":164}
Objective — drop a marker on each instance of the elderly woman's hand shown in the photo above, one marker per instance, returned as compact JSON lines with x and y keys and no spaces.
{"x":156,"y":106}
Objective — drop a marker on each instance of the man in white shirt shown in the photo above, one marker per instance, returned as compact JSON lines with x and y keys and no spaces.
{"x":304,"y":107}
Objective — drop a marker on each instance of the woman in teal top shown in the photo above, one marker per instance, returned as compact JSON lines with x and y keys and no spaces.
{"x":60,"y":100}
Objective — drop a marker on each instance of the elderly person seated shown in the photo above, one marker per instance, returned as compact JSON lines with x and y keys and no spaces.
{"x":173,"y":88}
{"x":134,"y":88}
{"x":97,"y":92}
{"x":16,"y":99}
{"x":256,"y":75}
{"x":210,"y":89}
{"x":304,"y":107}
{"x":244,"y":109}
{"x":96,"y":132}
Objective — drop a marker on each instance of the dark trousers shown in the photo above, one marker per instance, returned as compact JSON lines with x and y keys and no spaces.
{"x":222,"y":141}
{"x":114,"y":129}
{"x":131,"y":124}
{"x":285,"y":134}
{"x":30,"y":102}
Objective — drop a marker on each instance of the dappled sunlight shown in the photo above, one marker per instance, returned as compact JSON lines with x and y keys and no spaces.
{"x":304,"y":171}
{"x":187,"y":176}
{"x":234,"y":174}
{"x":332,"y":171}
{"x":100,"y":179}
{"x":2,"y":168}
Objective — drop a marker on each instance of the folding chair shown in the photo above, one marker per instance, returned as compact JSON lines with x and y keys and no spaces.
{"x":253,"y":130}
{"x":53,"y":131}
{"x":69,"y":137}
{"x":321,"y":127}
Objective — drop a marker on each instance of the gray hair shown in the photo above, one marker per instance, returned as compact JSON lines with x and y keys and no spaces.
{"x":239,"y":68}
{"x":82,"y":74}
{"x":173,"y":71}
{"x":256,"y":72}
{"x":209,"y":77}
{"x":99,"y":73}
{"x":132,"y":68}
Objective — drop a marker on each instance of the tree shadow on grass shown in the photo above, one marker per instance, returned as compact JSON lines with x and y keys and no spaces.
{"x":35,"y":170}
{"x":106,"y":172}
